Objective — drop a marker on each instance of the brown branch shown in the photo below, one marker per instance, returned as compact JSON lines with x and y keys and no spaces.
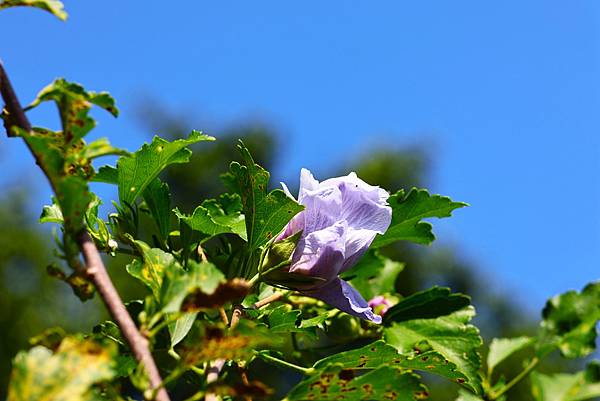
{"x":94,"y":267}
{"x":16,"y":114}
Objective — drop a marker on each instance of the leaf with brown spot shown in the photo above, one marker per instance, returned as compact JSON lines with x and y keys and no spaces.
{"x":74,"y":104}
{"x":202,"y":286}
{"x":153,"y":267}
{"x":445,"y":338}
{"x":210,"y":342}
{"x":335,"y":383}
{"x":226,"y":292}
{"x":379,"y":354}
{"x":66,"y":374}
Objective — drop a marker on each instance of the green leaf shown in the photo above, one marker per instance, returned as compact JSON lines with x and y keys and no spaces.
{"x":283,"y":320}
{"x":467,"y":396}
{"x":502,"y":348}
{"x":137,"y":171}
{"x":266,"y":213}
{"x":444,"y":331}
{"x":371,"y":356}
{"x":203,"y":277}
{"x":107,"y":174}
{"x":428,"y":304}
{"x":97,"y":228}
{"x":158,"y":199}
{"x":217,"y":217}
{"x":152,"y":268}
{"x":74,"y":198}
{"x":407,"y":213}
{"x":335,"y":383}
{"x":373,"y":275}
{"x":569,"y":323}
{"x":110,"y":330}
{"x":52,"y":6}
{"x":101,"y":147}
{"x":66,"y":375}
{"x":379,"y":353}
{"x":51,"y":214}
{"x":181,"y":327}
{"x":583,"y":385}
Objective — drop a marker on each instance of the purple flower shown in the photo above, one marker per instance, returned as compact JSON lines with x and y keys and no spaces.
{"x":341,"y":217}
{"x":379,"y":304}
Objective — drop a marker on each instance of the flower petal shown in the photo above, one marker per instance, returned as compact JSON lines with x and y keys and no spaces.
{"x":307,"y":183}
{"x":357,"y":243}
{"x":343,"y":296}
{"x":373,"y":192}
{"x":321,"y":253}
{"x":322,"y":208}
{"x":287,"y":190}
{"x":362,"y":212}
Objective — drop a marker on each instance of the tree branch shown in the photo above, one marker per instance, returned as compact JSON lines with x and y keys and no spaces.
{"x":94,"y":267}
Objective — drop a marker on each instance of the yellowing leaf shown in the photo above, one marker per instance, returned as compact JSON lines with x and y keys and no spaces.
{"x":152,"y":268}
{"x":52,"y":6}
{"x":65,"y":375}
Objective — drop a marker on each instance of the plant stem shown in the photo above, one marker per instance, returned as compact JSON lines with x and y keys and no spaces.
{"x":196,"y":397}
{"x":236,"y":315}
{"x":94,"y":267}
{"x":280,"y":362}
{"x":254,"y":280}
{"x":223,"y":316}
{"x":213,"y":374}
{"x":534,"y":362}
{"x":265,"y":301}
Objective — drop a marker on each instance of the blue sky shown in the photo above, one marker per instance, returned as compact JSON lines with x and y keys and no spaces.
{"x":507,"y":94}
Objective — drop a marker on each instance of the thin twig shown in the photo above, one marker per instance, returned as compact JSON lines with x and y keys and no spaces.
{"x":94,"y":267}
{"x":224,"y":317}
{"x":532,"y":364}
{"x":201,"y":253}
{"x":238,"y":310}
{"x":280,"y":362}
{"x":245,"y":381}
{"x":236,"y":315}
{"x":267,"y":300}
{"x":213,"y":374}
